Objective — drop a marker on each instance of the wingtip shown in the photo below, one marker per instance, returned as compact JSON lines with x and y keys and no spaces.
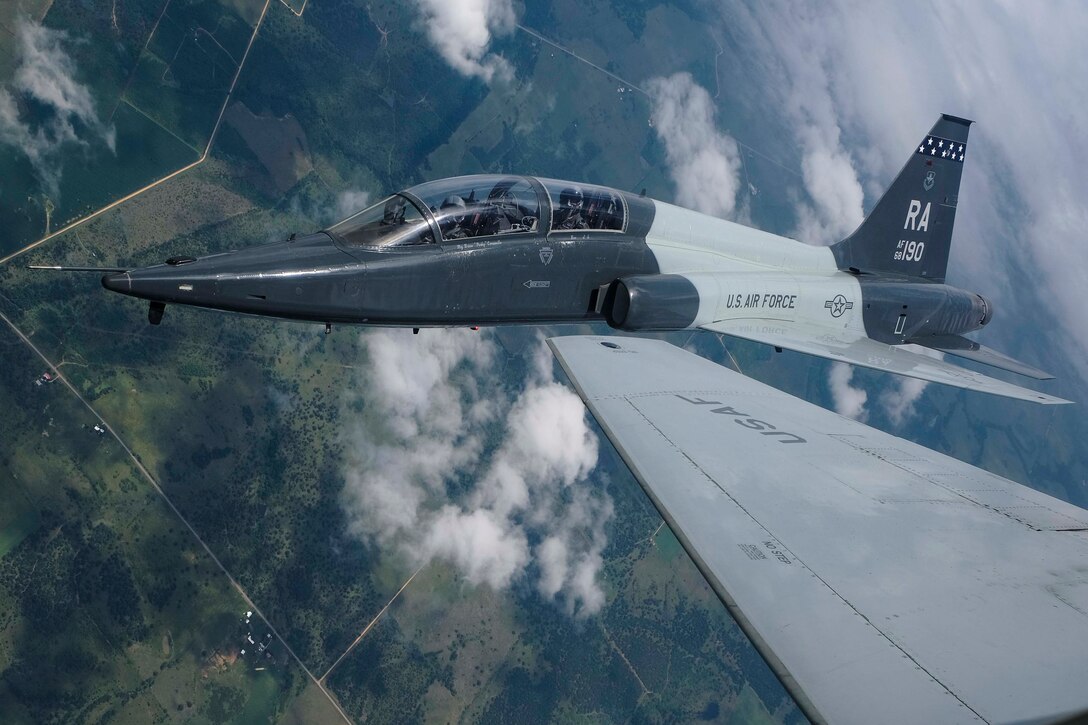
{"x":1045,"y":399}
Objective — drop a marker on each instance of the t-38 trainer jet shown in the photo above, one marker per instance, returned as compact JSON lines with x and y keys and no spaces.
{"x":882,"y":581}
{"x":489,"y":250}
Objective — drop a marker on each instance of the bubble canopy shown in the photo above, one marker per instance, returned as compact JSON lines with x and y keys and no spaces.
{"x":393,"y":222}
{"x":487,"y":205}
{"x":585,"y":207}
{"x":482,"y":206}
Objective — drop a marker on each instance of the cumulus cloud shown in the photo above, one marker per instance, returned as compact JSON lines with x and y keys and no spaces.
{"x":797,"y":60}
{"x":445,"y":465}
{"x":416,"y":393}
{"x":833,"y":187}
{"x":350,"y":201}
{"x":704,"y":163}
{"x":788,"y":44}
{"x":482,"y":544}
{"x":462,"y":32}
{"x":898,"y":402}
{"x":45,"y":76}
{"x":327,"y":209}
{"x":849,"y":400}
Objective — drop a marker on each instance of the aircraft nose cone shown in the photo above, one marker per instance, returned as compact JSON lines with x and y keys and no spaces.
{"x":117,"y":282}
{"x":301,"y":279}
{"x":159,"y":282}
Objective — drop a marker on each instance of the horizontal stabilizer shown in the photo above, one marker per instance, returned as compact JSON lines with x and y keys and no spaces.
{"x":848,"y":346}
{"x":971,"y":350}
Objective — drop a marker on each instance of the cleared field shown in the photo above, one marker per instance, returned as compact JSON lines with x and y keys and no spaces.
{"x":159,"y":89}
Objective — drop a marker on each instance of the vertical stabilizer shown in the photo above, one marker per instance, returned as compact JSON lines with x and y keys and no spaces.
{"x":909,"y":231}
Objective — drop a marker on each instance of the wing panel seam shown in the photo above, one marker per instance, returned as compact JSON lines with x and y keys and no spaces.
{"x":966,"y":493}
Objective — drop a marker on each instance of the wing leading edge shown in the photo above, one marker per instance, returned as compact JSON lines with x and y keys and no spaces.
{"x":882,"y":581}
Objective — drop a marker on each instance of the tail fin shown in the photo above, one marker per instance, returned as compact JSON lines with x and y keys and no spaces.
{"x":909,"y":231}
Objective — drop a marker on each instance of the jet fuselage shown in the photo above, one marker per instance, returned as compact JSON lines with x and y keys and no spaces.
{"x":512,"y":253}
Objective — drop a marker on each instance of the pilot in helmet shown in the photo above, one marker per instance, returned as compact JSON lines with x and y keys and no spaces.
{"x":569,"y":214}
{"x":452,"y":216}
{"x":571,"y":197}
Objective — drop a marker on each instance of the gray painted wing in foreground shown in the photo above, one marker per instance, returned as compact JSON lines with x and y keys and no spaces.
{"x":882,"y":581}
{"x":846,"y":346}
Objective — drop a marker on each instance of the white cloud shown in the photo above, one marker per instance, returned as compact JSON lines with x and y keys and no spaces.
{"x":482,"y":544}
{"x":572,"y":572}
{"x":704,"y":163}
{"x":554,"y":565}
{"x":424,"y":381}
{"x":833,"y":186}
{"x":45,"y":75}
{"x":898,"y":403}
{"x":796,"y":58}
{"x":462,"y":31}
{"x":350,"y":201}
{"x":559,"y":453}
{"x":849,"y":401}
{"x":436,"y":418}
{"x":326,"y":211}
{"x":411,"y":436}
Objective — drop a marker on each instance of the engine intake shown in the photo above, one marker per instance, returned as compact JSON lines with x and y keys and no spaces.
{"x":651,"y":302}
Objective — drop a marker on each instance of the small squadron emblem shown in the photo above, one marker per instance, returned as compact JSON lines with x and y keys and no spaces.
{"x":838,"y":305}
{"x":546,"y":256}
{"x":931,"y":176}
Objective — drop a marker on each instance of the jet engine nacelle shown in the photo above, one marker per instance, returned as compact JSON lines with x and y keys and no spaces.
{"x":687,"y":301}
{"x":896,"y":312}
{"x":651,"y":302}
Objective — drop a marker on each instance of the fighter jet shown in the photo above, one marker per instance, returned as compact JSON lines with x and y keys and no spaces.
{"x":882,"y":581}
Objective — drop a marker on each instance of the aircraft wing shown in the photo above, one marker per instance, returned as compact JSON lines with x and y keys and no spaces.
{"x":882,"y":581}
{"x":847,"y":346}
